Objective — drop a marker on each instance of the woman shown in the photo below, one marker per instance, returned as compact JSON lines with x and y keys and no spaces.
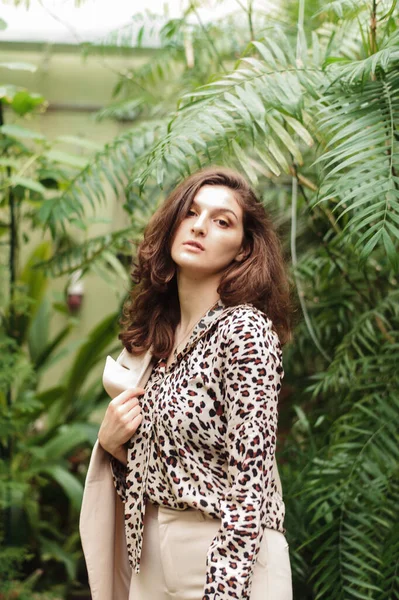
{"x":191,"y":442}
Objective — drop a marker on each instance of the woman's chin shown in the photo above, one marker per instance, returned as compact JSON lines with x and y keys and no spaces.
{"x":194,"y":269}
{"x":191,"y":261}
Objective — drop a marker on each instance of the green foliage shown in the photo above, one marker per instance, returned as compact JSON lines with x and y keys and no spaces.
{"x":252,"y":107}
{"x":358,"y":115}
{"x":312,"y":119}
{"x":51,"y":434}
{"x":305,"y":102}
{"x":110,"y":164}
{"x":20,"y":100}
{"x":44,"y":435}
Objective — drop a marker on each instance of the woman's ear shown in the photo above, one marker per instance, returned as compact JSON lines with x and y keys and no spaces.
{"x":243,"y":254}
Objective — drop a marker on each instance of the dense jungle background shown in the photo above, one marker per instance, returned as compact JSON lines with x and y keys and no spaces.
{"x":303,"y":98}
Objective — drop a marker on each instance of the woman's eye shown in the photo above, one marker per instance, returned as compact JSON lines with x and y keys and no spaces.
{"x":222,"y":222}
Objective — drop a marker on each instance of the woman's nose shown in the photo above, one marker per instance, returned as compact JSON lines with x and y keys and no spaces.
{"x":198,"y":225}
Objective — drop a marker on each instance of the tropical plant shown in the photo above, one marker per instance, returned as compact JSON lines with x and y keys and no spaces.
{"x":310,"y":114}
{"x":48,"y":435}
{"x":45,"y":434}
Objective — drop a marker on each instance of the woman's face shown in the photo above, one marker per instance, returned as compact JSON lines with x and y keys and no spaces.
{"x":211,"y":234}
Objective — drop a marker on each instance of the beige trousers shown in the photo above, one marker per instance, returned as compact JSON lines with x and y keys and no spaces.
{"x":173,"y":560}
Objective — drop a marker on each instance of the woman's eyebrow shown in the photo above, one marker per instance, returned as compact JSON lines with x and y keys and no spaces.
{"x":218,"y":209}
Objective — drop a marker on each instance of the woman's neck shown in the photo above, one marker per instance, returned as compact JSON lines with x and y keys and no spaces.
{"x":195,"y":299}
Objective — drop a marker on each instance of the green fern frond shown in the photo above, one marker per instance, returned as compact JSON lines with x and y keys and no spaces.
{"x":142,"y":29}
{"x":112,"y":166}
{"x":348,"y":9}
{"x":253,"y":101}
{"x":87,"y":254}
{"x":353,"y":71}
{"x":361,"y":165}
{"x":390,"y":557}
{"x":121,"y":111}
{"x":370,"y":347}
{"x":352,"y":493}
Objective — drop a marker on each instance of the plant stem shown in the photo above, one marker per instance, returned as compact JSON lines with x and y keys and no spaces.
{"x":250,"y":21}
{"x":373,"y":29}
{"x":12,"y":257}
{"x":301,"y":293}
{"x":209,"y":38}
{"x":249,"y":12}
{"x":6,"y":450}
{"x":325,"y":245}
{"x":300,"y":32}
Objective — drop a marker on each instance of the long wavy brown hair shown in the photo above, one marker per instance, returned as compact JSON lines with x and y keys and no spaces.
{"x":152,"y":312}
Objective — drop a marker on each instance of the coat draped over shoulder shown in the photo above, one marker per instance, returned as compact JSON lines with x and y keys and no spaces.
{"x":102,"y":514}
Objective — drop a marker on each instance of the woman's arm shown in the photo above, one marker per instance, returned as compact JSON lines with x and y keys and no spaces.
{"x":252,"y":373}
{"x":121,"y":420}
{"x":121,"y":456}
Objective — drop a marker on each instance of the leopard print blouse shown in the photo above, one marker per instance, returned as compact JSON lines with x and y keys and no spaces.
{"x":207,"y":440}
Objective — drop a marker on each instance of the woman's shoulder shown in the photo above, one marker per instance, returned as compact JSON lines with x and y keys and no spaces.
{"x":245,"y":319}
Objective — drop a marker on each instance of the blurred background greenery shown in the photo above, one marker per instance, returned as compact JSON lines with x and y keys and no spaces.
{"x":302,"y":96}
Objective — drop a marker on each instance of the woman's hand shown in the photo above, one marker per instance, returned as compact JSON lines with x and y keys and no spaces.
{"x":121,"y":420}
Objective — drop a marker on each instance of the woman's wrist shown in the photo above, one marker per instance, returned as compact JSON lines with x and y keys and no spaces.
{"x":119,"y":454}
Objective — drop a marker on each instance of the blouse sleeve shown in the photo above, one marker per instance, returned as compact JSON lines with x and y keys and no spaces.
{"x":252,"y":372}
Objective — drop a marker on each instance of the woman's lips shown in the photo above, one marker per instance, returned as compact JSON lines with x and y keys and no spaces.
{"x":193,"y":246}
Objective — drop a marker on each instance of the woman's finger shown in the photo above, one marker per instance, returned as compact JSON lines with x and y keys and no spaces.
{"x":133,"y":412}
{"x":127,"y":395}
{"x":131,"y":424}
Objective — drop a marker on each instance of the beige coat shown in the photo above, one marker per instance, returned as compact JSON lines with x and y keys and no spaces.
{"x":102,"y":529}
{"x":102,"y":515}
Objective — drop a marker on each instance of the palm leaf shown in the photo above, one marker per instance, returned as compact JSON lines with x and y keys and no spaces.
{"x":357,"y":472}
{"x":110,"y":166}
{"x":370,"y":345}
{"x":361,"y":162}
{"x":94,"y":250}
{"x":255,"y":105}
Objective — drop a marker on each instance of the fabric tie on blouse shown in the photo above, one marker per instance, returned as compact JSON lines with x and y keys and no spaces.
{"x":136,"y":480}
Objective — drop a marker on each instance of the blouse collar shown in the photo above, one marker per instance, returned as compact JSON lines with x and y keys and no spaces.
{"x":211,"y":317}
